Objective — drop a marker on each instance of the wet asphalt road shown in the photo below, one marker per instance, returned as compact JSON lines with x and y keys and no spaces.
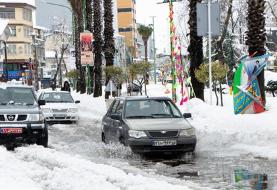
{"x":209,"y":169}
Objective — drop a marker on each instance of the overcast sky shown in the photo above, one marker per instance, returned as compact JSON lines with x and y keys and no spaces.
{"x":148,"y":8}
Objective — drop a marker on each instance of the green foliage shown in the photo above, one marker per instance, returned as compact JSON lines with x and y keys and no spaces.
{"x":115,"y":73}
{"x":73,"y":74}
{"x":219,"y":72}
{"x":140,"y":68}
{"x":145,"y":31}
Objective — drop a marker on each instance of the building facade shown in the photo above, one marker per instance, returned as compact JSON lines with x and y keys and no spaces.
{"x":126,"y":12}
{"x":19,"y":45}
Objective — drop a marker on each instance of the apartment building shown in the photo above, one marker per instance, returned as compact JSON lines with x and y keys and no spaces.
{"x":126,"y":12}
{"x":19,"y":46}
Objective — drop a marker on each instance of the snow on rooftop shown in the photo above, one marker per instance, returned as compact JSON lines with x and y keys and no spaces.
{"x":29,"y":2}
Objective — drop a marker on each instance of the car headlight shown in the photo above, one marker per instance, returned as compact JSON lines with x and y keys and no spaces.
{"x":73,"y":110}
{"x":46,"y":110}
{"x":137,"y":134}
{"x":36,"y":117}
{"x":187,"y":132}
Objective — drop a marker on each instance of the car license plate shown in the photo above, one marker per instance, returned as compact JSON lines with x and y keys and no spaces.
{"x":165,"y":143}
{"x":59,"y":115}
{"x":11,"y":130}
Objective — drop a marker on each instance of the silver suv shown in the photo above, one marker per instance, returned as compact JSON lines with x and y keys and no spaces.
{"x":21,"y":120}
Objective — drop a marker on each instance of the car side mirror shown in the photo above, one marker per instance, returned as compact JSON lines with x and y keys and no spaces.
{"x":41,"y":102}
{"x":77,"y":102}
{"x":187,"y":115}
{"x":116,"y":116}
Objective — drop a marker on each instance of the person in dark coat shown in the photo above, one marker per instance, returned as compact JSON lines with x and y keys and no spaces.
{"x":66,"y":86}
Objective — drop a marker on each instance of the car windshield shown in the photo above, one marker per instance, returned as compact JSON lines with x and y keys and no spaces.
{"x":57,"y":97}
{"x":136,"y":109}
{"x":17,"y":96}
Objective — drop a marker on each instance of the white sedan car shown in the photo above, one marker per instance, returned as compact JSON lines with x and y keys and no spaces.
{"x":59,"y":107}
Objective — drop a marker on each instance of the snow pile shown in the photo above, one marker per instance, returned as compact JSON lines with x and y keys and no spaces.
{"x":90,"y":108}
{"x":218,"y":128}
{"x":269,"y":75}
{"x":36,"y":168}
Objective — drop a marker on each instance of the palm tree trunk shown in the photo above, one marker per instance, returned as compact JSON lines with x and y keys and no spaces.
{"x":97,"y":33}
{"x":145,"y":51}
{"x":109,"y":48}
{"x":256,"y":36}
{"x":195,"y":50}
{"x":82,"y":81}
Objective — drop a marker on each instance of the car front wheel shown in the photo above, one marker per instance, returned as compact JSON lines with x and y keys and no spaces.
{"x":43,"y":140}
{"x":103,"y":138}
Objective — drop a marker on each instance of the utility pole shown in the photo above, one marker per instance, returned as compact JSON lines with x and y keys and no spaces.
{"x":210,"y":50}
{"x":155,"y":66}
{"x":35,"y":62}
{"x":5,"y":63}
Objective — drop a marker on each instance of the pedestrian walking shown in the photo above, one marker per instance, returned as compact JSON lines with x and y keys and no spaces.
{"x":66,"y":86}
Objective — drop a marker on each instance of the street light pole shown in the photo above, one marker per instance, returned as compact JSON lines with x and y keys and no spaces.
{"x":210,"y":49}
{"x":6,"y":60}
{"x":155,"y":66}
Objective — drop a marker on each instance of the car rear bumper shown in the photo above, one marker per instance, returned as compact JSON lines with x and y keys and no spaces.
{"x":30,"y":133}
{"x":144,"y":145}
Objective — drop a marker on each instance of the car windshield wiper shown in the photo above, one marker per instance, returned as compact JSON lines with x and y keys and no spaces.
{"x":139,"y":116}
{"x":161,"y":115}
{"x":3,"y":103}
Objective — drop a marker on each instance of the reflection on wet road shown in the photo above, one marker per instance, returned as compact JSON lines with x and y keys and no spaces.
{"x":218,"y":172}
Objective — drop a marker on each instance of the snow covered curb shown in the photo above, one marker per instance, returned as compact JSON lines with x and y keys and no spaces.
{"x":218,"y":128}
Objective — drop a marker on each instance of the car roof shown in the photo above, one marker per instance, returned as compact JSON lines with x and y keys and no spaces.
{"x":143,"y":98}
{"x":15,"y":86}
{"x":65,"y":92}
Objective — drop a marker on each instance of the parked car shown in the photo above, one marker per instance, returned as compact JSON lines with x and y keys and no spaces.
{"x":148,"y":125}
{"x":21,"y":119}
{"x":60,"y":107}
{"x":134,"y":86}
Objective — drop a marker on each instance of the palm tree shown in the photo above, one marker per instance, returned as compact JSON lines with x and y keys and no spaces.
{"x":89,"y":24}
{"x":196,"y":50}
{"x":97,"y":33}
{"x":79,"y":27}
{"x":145,"y":32}
{"x":109,"y":48}
{"x":256,"y":35}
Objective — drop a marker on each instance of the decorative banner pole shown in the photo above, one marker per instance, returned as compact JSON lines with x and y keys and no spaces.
{"x":172,"y":50}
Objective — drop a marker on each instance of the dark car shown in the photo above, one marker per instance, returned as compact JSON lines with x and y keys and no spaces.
{"x":148,"y":125}
{"x":21,"y":119}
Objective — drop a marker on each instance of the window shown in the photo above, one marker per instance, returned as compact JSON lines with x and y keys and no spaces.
{"x":27,"y":14}
{"x":27,"y":49}
{"x":119,"y":108}
{"x":13,"y":28}
{"x":27,"y":32}
{"x":11,"y":49}
{"x":122,"y":10}
{"x":115,"y":106}
{"x":125,"y":29}
{"x":7,"y":13}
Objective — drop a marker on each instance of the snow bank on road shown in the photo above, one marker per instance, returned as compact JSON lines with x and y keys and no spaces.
{"x":37,"y":168}
{"x":218,"y":128}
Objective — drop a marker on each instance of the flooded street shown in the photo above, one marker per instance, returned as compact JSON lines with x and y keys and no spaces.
{"x":209,"y":169}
